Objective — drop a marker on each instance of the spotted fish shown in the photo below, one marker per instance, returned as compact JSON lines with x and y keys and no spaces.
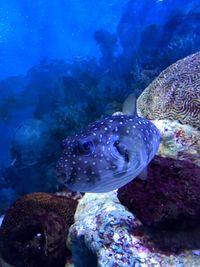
{"x":108,"y":154}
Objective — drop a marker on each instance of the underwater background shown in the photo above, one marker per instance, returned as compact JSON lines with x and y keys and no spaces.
{"x":65,"y":64}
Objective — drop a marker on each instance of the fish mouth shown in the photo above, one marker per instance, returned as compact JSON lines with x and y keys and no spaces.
{"x":122,"y":150}
{"x":67,"y":177}
{"x":62,"y":177}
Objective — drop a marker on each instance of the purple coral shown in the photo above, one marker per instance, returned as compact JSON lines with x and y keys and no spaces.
{"x":167,"y":203}
{"x":171,"y":191}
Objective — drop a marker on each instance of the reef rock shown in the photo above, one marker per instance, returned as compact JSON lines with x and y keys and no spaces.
{"x":106,"y":234}
{"x":175,"y":93}
{"x":34,"y":230}
{"x":179,"y":141}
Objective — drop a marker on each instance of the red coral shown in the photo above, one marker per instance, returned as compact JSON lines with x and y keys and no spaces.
{"x":34,"y":230}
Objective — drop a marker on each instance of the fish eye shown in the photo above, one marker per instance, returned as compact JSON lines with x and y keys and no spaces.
{"x":85,"y":147}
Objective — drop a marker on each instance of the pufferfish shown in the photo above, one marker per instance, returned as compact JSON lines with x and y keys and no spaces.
{"x":109,"y":153}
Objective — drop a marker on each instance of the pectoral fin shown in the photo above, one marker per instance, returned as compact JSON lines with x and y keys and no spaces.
{"x":143,"y":174}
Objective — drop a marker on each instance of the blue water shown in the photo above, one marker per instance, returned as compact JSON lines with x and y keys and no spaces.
{"x":67,"y":63}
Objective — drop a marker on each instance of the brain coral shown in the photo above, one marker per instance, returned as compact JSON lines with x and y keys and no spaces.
{"x":34,"y":230}
{"x":175,"y":93}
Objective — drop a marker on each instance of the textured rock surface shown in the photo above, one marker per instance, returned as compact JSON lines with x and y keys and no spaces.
{"x":179,"y":141}
{"x":175,"y":93}
{"x":105,"y":234}
{"x":34,"y":230}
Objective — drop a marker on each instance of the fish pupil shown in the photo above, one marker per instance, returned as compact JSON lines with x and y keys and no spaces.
{"x":85,"y":148}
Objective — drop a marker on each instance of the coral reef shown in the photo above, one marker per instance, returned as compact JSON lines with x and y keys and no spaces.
{"x":174,"y":94}
{"x":179,"y":141}
{"x":100,"y":234}
{"x":34,"y":230}
{"x":107,"y":43}
{"x":67,"y":95}
{"x":106,"y":234}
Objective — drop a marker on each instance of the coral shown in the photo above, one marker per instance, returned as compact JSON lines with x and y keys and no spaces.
{"x":171,"y":191}
{"x":34,"y":230}
{"x":34,"y":151}
{"x":31,"y":142}
{"x":175,"y":38}
{"x":167,"y":203}
{"x":179,"y":141}
{"x":174,"y":94}
{"x":107,"y":43}
{"x":106,"y":234}
{"x":100,"y":235}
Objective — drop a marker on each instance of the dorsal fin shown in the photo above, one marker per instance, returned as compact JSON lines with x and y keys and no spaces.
{"x":129,"y":105}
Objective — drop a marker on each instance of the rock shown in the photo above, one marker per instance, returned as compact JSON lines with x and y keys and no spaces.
{"x":100,"y":233}
{"x":179,"y":141}
{"x":174,"y":94}
{"x":105,"y":234}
